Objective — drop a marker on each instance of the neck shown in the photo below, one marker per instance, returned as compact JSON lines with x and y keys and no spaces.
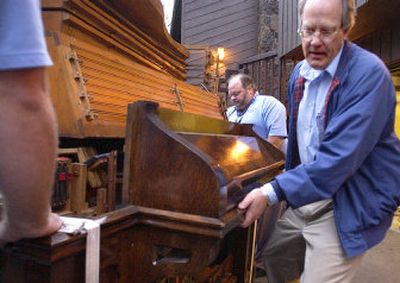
{"x":245,"y":106}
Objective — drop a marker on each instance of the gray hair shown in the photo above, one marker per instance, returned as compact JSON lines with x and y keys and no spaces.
{"x":349,"y":12}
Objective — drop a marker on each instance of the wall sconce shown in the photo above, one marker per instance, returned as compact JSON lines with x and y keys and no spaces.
{"x":220,"y":53}
{"x":219,"y":56}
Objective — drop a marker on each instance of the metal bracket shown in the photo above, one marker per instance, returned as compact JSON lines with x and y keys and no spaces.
{"x":178,"y":100}
{"x":81,"y":82}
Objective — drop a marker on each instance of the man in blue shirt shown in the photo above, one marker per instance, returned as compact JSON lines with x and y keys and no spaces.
{"x":265,"y":112}
{"x":343,"y":160}
{"x":28,"y":136}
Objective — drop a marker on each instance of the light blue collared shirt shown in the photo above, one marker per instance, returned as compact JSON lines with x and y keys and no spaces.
{"x":265,"y":112}
{"x":310,"y":119}
{"x":309,"y":122}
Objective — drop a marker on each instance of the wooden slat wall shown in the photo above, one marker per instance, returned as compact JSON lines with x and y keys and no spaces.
{"x":232,"y":24}
{"x":262,"y":69}
{"x":288,"y":24}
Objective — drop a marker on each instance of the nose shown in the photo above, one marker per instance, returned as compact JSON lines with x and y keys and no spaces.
{"x":315,"y":39}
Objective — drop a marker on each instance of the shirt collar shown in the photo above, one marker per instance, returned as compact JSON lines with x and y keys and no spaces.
{"x":310,"y":73}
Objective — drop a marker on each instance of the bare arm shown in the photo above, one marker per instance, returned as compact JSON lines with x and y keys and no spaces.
{"x":28,"y":149}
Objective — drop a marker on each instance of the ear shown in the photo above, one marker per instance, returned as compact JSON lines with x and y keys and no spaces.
{"x":345,"y":33}
{"x":250,"y":90}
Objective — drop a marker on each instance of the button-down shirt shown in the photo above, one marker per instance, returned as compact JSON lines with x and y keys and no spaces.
{"x":309,"y":122}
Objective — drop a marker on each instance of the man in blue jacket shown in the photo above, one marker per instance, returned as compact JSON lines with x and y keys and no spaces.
{"x":342,"y":179}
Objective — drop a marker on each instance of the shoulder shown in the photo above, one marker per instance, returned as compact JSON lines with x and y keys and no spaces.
{"x":269,"y":101}
{"x":359,"y":59}
{"x":230,"y":112}
{"x":296,"y":69}
{"x":23,"y":43}
{"x":295,"y":74}
{"x":363,"y":73}
{"x":269,"y":106}
{"x":365,"y":79}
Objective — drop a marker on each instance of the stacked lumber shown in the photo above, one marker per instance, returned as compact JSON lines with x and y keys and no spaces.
{"x":108,"y":53}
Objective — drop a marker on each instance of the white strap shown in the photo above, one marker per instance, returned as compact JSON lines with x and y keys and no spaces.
{"x":72,"y":225}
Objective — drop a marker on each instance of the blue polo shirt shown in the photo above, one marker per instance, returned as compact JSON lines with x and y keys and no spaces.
{"x":265,"y":112}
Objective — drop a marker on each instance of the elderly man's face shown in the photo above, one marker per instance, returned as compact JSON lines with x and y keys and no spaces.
{"x":321,"y":32}
{"x":240,"y":96}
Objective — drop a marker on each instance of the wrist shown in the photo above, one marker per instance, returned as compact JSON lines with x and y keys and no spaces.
{"x":264,"y":192}
{"x":268,"y":191}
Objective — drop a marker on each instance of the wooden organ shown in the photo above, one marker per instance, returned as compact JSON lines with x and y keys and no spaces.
{"x":170,"y":208}
{"x":107,"y":54}
{"x":184,"y":175}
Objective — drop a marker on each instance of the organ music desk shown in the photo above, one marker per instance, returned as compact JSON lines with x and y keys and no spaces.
{"x":184,"y":175}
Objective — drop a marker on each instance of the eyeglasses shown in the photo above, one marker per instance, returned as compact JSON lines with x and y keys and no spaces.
{"x":323,"y":34}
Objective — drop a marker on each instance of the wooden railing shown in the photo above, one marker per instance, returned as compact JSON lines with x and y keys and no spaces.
{"x":262,"y":68}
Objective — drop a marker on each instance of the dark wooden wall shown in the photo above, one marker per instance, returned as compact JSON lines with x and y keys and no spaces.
{"x":288,"y":23}
{"x":384,"y":42}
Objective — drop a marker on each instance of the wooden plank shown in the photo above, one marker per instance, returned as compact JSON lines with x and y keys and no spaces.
{"x":137,"y":12}
{"x":63,"y":97}
{"x":291,"y":11}
{"x":208,"y":4}
{"x":241,"y":28}
{"x":110,"y":29}
{"x":111,"y":180}
{"x":395,"y":50}
{"x":78,"y":194}
{"x":280,"y":28}
{"x":386,"y":45}
{"x":101,"y":200}
{"x":219,"y":14}
{"x":82,"y":30}
{"x":370,"y":15}
{"x":296,"y":37}
{"x":376,"y":43}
